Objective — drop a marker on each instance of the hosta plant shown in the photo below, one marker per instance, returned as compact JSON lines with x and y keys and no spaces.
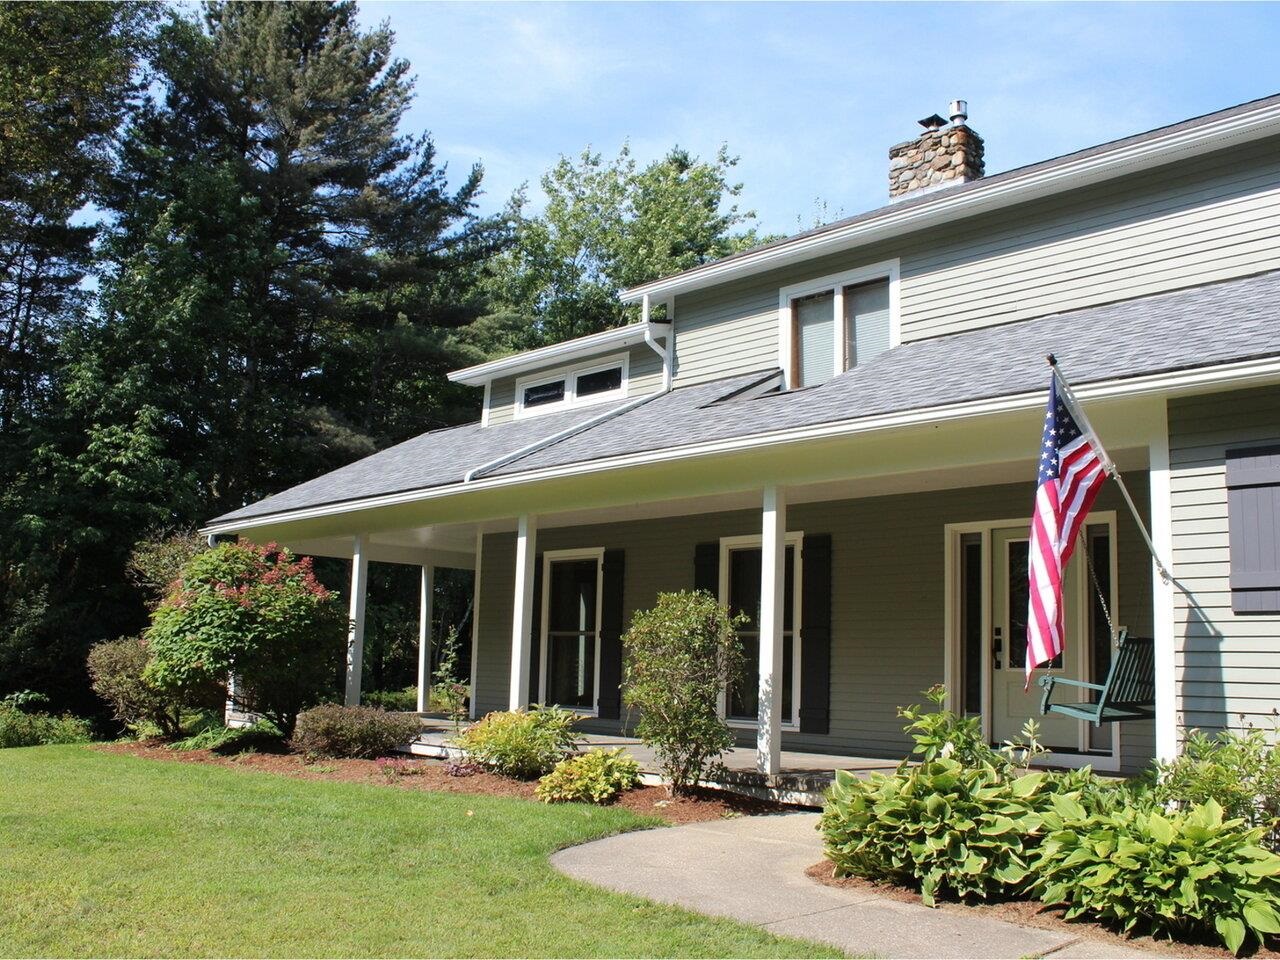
{"x":968,"y":831}
{"x":596,"y":776}
{"x":1179,"y":874}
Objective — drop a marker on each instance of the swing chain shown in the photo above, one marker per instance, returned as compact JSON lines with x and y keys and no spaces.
{"x":1093,"y":576}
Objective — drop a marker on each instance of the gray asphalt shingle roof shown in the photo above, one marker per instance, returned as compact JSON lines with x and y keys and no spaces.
{"x":1201,"y":326}
{"x":429,"y":460}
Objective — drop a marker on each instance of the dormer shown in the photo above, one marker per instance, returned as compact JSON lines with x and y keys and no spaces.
{"x":623,"y":363}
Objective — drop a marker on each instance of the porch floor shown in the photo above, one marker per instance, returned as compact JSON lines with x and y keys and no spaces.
{"x":804,"y":777}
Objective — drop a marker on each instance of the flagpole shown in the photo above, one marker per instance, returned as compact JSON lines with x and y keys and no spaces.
{"x":1108,"y":464}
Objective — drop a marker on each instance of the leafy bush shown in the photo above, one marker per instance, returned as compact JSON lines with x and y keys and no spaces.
{"x":962,"y":819}
{"x":967,"y":831}
{"x":117,"y":669}
{"x":404,"y":701}
{"x":260,"y":737}
{"x":332,"y":730}
{"x":521,"y":744}
{"x":1239,"y":771}
{"x":449,"y":694}
{"x":19,"y":728}
{"x":256,"y":612}
{"x":596,"y":776}
{"x":681,"y":654}
{"x":1184,"y":874}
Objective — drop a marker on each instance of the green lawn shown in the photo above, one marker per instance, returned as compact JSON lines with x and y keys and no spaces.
{"x":106,"y":855}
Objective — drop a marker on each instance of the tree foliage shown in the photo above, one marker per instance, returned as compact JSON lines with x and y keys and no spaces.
{"x":608,"y":225}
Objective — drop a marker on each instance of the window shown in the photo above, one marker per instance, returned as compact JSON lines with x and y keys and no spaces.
{"x":594,"y":382}
{"x":1253,"y":523}
{"x":740,"y":591}
{"x":832,"y":324}
{"x":571,"y":628}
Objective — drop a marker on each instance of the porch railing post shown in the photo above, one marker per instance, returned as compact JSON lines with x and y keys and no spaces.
{"x":1162,"y":589}
{"x":522,"y":610}
{"x":773,"y":553}
{"x":355,"y":620}
{"x":425,"y":601}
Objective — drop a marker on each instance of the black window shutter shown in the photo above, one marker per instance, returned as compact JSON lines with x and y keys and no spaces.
{"x":535,"y":631}
{"x":815,"y":634}
{"x":706,"y":568}
{"x":1253,"y":518}
{"x":609,"y":699}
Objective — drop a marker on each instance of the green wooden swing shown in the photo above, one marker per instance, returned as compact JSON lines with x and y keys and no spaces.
{"x":1127,"y":694}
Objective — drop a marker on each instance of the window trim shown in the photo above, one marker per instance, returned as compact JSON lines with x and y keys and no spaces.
{"x":570,"y":377}
{"x":794,"y":539}
{"x":834,"y":283}
{"x":548,"y":558}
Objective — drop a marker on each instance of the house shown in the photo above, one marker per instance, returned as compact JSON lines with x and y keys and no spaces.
{"x":837,"y":432}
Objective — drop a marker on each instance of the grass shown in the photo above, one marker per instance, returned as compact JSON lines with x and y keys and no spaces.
{"x":109,"y":855}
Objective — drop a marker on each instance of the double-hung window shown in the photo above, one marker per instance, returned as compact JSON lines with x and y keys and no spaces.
{"x":740,"y":559}
{"x":832,"y":324}
{"x":571,"y":628}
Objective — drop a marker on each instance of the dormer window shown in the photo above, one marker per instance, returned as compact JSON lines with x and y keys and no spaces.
{"x":594,"y":382}
{"x":832,"y":324}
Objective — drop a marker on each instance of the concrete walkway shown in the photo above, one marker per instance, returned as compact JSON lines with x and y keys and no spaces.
{"x":752,"y":869}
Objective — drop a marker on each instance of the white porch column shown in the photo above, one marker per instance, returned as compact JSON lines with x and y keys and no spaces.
{"x":1162,"y":592}
{"x":425,"y":601}
{"x":522,"y":610}
{"x":773,"y":555}
{"x":355,"y":620}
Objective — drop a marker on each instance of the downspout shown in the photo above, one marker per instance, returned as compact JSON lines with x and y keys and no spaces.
{"x":663,"y":352}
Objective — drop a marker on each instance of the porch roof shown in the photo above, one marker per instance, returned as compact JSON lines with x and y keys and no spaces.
{"x":1204,"y":326}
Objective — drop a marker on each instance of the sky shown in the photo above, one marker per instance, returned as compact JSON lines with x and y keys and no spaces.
{"x":811,"y":96}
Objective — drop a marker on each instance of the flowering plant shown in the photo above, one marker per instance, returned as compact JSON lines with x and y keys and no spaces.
{"x":257,"y":613}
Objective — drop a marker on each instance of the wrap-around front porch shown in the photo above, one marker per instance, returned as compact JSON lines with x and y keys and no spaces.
{"x":868,"y":572}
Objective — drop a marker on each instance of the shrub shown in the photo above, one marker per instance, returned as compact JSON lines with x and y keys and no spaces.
{"x":21,"y":729}
{"x":1185,"y":874}
{"x":256,"y":612}
{"x":963,"y":819}
{"x":942,"y":826}
{"x":521,"y":744}
{"x":448,"y":693}
{"x":681,"y":655}
{"x":260,"y":737}
{"x":1239,"y":771}
{"x":332,"y":730}
{"x":597,"y":776}
{"x":404,"y":701}
{"x":117,"y":669}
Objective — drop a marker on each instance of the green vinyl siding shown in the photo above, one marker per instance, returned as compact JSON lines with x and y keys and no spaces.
{"x":645,"y":377}
{"x":1203,"y":220}
{"x":887,"y":606}
{"x":1227,"y":664}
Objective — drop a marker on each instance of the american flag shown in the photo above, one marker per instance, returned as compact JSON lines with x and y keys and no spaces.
{"x":1073,"y":466}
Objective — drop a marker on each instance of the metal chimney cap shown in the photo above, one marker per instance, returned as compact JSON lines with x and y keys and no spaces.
{"x":932,"y":122}
{"x":959,"y":111}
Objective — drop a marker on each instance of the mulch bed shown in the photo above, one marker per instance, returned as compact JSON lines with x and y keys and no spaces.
{"x":1032,"y":913}
{"x":430,"y":775}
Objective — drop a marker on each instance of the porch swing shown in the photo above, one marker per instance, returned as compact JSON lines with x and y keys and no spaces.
{"x":1129,"y":690}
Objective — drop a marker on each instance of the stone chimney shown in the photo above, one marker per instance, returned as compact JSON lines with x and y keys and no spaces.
{"x":941,"y":156}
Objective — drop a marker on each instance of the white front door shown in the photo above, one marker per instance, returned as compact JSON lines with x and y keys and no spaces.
{"x":1011,"y":705}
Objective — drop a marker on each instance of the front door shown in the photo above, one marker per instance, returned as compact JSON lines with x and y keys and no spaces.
{"x":1011,"y":705}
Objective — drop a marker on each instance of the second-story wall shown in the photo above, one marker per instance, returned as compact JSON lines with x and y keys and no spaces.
{"x":645,"y":376}
{"x":1212,"y":218}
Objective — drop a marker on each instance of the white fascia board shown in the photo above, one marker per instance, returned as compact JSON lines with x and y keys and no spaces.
{"x":1223,"y":376}
{"x":556,"y":353}
{"x":1002,"y":191}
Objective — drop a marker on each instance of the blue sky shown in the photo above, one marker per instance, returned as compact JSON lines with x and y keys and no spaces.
{"x":811,"y":96}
